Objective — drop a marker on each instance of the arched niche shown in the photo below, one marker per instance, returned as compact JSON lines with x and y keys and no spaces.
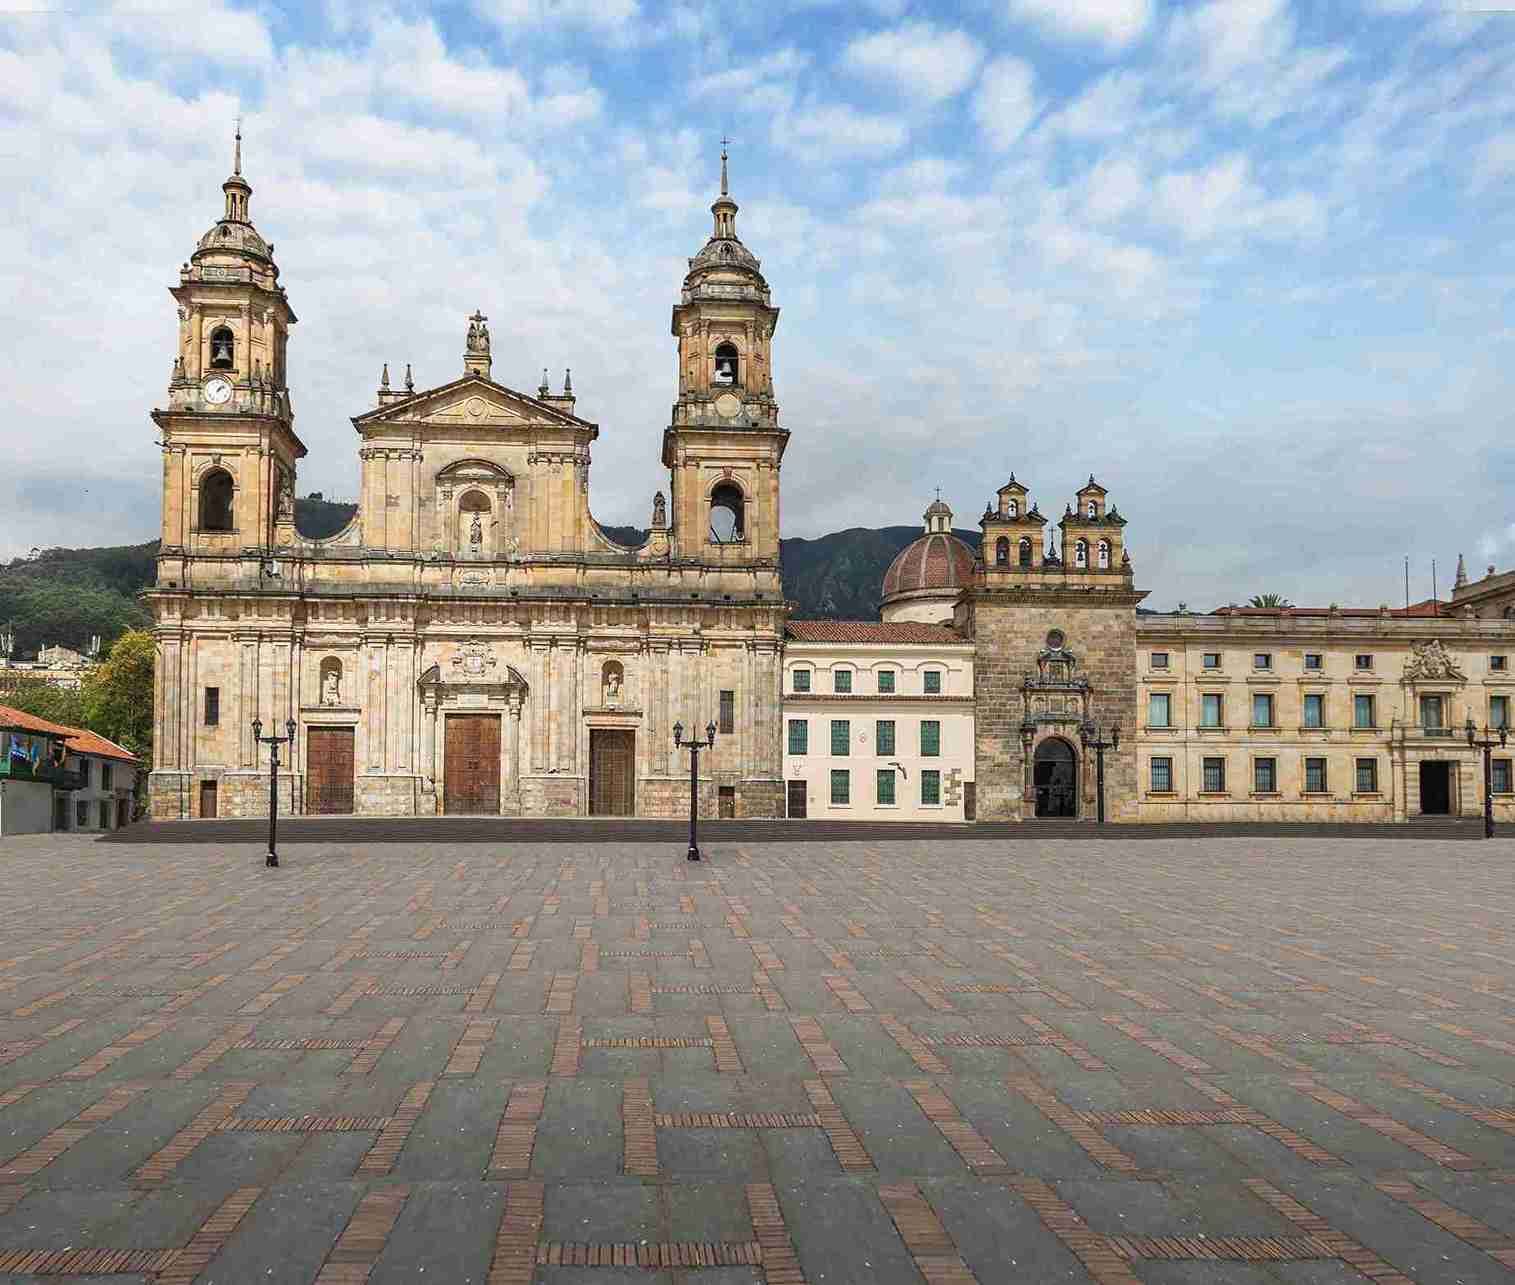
{"x":330,"y":691}
{"x":217,"y":491}
{"x":475,"y":510}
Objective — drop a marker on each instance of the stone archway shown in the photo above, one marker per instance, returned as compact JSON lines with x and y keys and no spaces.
{"x":1055,"y":778}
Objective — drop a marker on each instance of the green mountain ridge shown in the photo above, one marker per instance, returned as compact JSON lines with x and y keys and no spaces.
{"x":66,"y":595}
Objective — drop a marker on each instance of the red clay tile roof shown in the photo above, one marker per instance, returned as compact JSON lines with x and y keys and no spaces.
{"x":935,"y":561}
{"x":871,"y":631}
{"x":87,"y":742}
{"x":16,"y":720}
{"x":78,"y":739}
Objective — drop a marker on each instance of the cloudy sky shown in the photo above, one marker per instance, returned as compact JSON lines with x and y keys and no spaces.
{"x":1248,"y":261}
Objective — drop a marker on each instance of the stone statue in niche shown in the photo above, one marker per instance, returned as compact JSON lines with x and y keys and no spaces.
{"x":659,"y":510}
{"x":475,"y":535}
{"x":612,"y":694}
{"x":331,"y":686}
{"x":286,"y":499}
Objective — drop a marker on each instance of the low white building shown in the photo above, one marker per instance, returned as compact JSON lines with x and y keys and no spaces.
{"x":105,"y":784}
{"x":878,"y":715}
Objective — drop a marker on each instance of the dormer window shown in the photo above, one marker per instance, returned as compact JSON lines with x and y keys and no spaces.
{"x":221,"y":348}
{"x":727,"y":365}
{"x":1104,"y":555}
{"x":1081,"y":554}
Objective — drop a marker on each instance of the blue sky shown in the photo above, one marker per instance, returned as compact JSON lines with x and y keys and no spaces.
{"x":1250,"y":261}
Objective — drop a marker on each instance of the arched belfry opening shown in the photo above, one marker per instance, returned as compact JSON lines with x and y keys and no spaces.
{"x":223,"y":349}
{"x":727,"y":514}
{"x":728,"y":365}
{"x":1025,"y":551}
{"x":216,"y":491}
{"x":1002,"y":552}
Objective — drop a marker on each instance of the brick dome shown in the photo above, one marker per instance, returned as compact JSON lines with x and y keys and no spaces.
{"x":935,"y":561}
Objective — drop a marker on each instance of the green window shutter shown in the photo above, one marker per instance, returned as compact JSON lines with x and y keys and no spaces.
{"x":841,"y":736}
{"x":931,"y":788}
{"x":932,"y":682}
{"x":886,"y":680}
{"x":883,"y":735}
{"x":886,"y":785}
{"x":931,"y":738}
{"x":841,"y":785}
{"x":799,"y":736}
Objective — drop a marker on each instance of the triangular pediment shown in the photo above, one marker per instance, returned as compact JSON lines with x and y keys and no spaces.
{"x":472,"y":400}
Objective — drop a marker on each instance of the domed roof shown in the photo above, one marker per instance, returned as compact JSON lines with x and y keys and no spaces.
{"x":228,"y":237}
{"x":938,"y":560}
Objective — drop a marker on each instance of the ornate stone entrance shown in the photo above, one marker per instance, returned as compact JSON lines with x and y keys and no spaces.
{"x":471,"y":733}
{"x":471,"y":772}
{"x":1056,"y":778}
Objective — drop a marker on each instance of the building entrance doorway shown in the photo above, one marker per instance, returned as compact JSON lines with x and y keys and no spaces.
{"x":1055,"y":775}
{"x":329,"y":770}
{"x":612,"y":772}
{"x":1435,"y":789}
{"x":471,"y":766}
{"x":796,"y":800}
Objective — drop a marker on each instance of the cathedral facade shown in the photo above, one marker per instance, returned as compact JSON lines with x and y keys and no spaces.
{"x":472,"y":641}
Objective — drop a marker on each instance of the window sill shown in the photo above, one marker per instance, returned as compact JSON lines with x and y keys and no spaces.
{"x":1265,"y":794}
{"x":1315,"y":794}
{"x":1214,"y":794}
{"x":1367,"y":794}
{"x":1303,"y":729}
{"x":1162,"y":794}
{"x":1204,"y":729}
{"x":1263,"y":727}
{"x":1367,"y":731}
{"x":1160,"y":727}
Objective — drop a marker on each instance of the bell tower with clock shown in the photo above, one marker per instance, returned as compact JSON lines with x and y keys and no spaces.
{"x":229,"y":445}
{"x":724,"y":445}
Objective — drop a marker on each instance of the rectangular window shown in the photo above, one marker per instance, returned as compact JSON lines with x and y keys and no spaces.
{"x":1315,"y":709}
{"x":841,"y":736}
{"x":1162,"y":776}
{"x":212,"y":706}
{"x":1265,"y":776}
{"x":1214,"y":776}
{"x":932,"y":680}
{"x":841,"y":680}
{"x":931,"y":788}
{"x":104,"y":815}
{"x":105,"y":771}
{"x":1362,"y":711}
{"x":1362,"y":661}
{"x":1430,"y":713}
{"x":801,"y":680}
{"x":1367,"y":776}
{"x":931,"y":738}
{"x":1159,"y":660}
{"x":799,"y":736}
{"x":1314,"y":660}
{"x":1262,"y":709}
{"x":81,"y":814}
{"x":84,"y":772}
{"x":728,"y":713}
{"x":1210,"y":708}
{"x":1315,"y":776}
{"x":886,"y":787}
{"x":1499,"y":664}
{"x":1159,"y":709}
{"x":886,"y":682}
{"x":1499,"y":711}
{"x":1212,"y":660}
{"x":1262,"y":660}
{"x":841,"y":785}
{"x":883,"y":735}
{"x":1499,"y":776}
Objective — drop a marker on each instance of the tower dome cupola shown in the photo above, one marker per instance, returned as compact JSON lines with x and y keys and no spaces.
{"x":926,"y":577}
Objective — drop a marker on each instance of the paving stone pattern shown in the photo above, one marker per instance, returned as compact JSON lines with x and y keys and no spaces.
{"x":1202,"y":1059}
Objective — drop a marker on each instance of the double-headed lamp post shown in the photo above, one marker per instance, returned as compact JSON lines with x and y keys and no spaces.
{"x":273,"y":743}
{"x":1088,"y":733}
{"x":694,"y":748}
{"x":1486,"y":743}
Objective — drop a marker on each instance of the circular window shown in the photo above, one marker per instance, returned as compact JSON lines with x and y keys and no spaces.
{"x":1055,"y":639}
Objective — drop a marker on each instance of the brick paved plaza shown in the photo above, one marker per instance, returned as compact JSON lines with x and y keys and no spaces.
{"x":1172,"y":1060}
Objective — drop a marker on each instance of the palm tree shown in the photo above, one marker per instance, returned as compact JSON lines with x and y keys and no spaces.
{"x":1269,"y":600}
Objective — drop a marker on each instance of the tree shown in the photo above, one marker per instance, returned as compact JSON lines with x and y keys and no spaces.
{"x":42,"y":699}
{"x":118,"y":693}
{"x":1269,"y":600}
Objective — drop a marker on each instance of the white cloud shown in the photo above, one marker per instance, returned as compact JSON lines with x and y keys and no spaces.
{"x":1495,"y":160}
{"x":208,"y":32}
{"x":835,"y":131}
{"x":750,"y":74}
{"x":923,"y":61}
{"x":1114,"y":24}
{"x":1223,"y":200}
{"x":1005,"y":103}
{"x":602,"y":15}
{"x":1114,"y":188}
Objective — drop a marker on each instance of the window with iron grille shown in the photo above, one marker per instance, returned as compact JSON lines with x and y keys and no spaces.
{"x":1499,"y":776}
{"x":1265,"y":776}
{"x":212,"y":706}
{"x":1314,"y":660}
{"x":1499,"y":711}
{"x":1362,"y":711}
{"x":799,"y":736}
{"x":931,"y":738}
{"x":1315,"y":776}
{"x":1210,"y":709}
{"x":1159,"y":660}
{"x":1162,"y":776}
{"x":931,"y":788}
{"x":728,"y":713}
{"x":1262,"y":709}
{"x":841,"y":680}
{"x":841,"y":785}
{"x":841,"y":736}
{"x":1315,"y":709}
{"x":1499,"y":664}
{"x":932,"y":682}
{"x":1367,"y":776}
{"x":1214,"y":773}
{"x":886,"y":786}
{"x":886,"y":682}
{"x":883,"y":735}
{"x":1211,"y":660}
{"x":801,"y":680}
{"x":1262,"y":660}
{"x":1159,"y":709}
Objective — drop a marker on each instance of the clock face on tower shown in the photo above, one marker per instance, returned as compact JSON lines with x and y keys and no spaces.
{"x":217,"y":392}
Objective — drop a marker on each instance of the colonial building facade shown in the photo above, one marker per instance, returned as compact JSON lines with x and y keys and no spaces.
{"x":472,"y":642}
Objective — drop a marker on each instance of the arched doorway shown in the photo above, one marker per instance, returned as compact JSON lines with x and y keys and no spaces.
{"x":1056,"y":779}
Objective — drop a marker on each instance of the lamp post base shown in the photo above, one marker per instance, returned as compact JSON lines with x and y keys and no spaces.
{"x":694,"y":853}
{"x":272,"y":859}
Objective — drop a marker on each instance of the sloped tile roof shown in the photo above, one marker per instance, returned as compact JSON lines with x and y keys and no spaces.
{"x":871,"y":631}
{"x":18,"y":721}
{"x":87,"y":742}
{"x":78,"y":739}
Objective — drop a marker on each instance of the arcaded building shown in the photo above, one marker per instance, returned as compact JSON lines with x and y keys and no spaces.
{"x":472,"y":642}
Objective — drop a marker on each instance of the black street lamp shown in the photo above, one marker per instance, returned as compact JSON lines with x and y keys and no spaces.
{"x":1089,"y":735}
{"x":273,"y":743}
{"x":1486,"y":743}
{"x":694,"y":748}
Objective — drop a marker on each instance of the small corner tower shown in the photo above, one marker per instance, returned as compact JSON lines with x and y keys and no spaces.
{"x":724,"y":445}
{"x":1011,"y":543}
{"x":229,"y":444}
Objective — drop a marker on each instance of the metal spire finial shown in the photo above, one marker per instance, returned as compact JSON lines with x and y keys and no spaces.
{"x":236,"y":162}
{"x":725,"y":187}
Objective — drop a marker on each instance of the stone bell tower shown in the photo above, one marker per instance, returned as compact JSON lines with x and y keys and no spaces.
{"x":229,"y":446}
{"x":724,"y":445}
